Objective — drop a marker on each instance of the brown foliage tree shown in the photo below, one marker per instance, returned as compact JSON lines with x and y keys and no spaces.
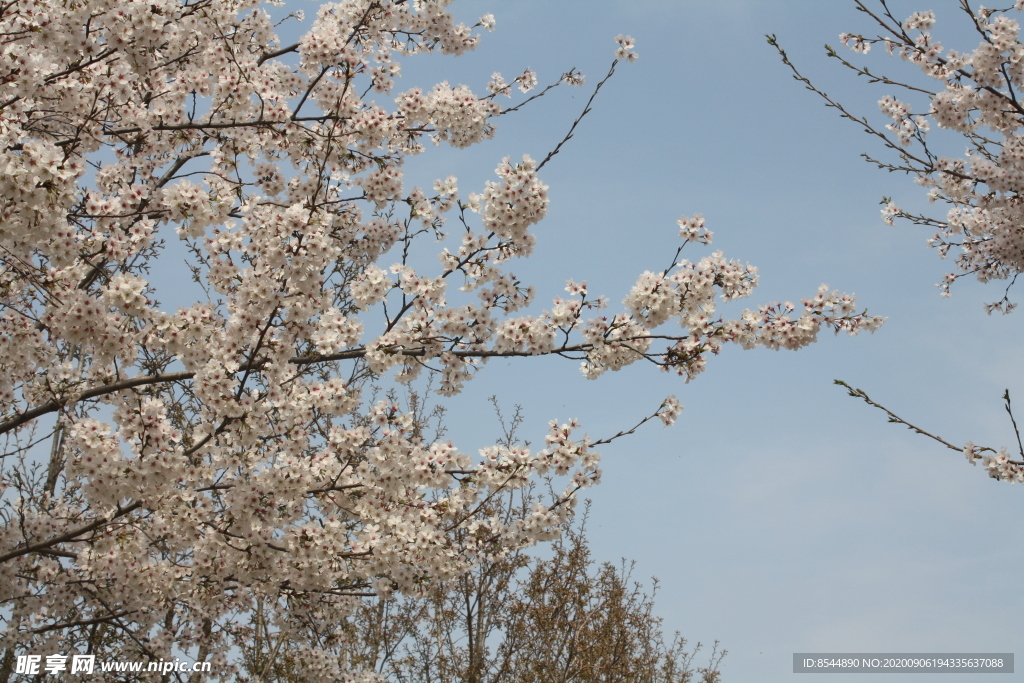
{"x":519,"y":619}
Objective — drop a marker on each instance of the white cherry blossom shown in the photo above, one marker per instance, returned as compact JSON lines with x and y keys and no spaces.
{"x":230,"y":455}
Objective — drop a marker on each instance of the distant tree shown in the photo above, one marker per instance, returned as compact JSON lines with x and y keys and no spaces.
{"x":522,"y":617}
{"x":515,"y":619}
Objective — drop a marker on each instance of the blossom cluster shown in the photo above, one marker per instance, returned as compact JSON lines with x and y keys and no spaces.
{"x":998,"y":463}
{"x":975,"y":96}
{"x":980,"y":182}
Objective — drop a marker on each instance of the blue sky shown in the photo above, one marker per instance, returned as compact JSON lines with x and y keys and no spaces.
{"x":780,"y":515}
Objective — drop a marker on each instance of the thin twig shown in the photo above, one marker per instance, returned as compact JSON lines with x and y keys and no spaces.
{"x":1020,"y":447}
{"x":893,"y":417}
{"x":586,"y":110}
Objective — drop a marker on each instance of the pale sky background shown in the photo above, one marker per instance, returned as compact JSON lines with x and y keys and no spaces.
{"x":780,"y":515}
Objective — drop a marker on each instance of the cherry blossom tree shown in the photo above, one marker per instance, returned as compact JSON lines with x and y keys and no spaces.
{"x":168,"y":474}
{"x":978,"y":180}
